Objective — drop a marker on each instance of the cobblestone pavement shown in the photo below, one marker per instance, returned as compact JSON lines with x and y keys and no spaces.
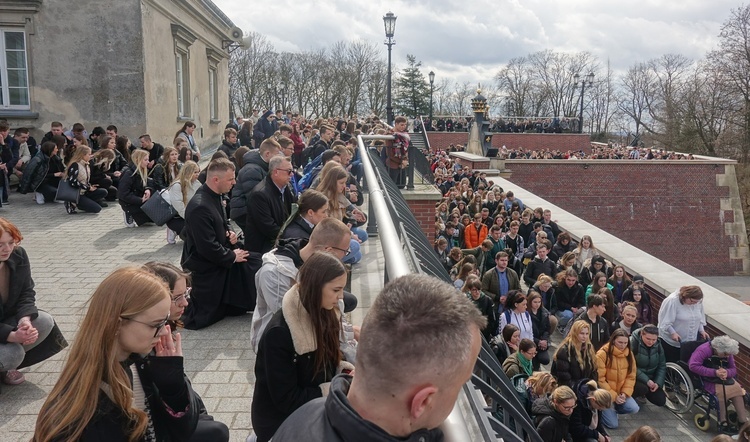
{"x":71,"y":254}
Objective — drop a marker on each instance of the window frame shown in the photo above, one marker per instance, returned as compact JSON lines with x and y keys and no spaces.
{"x":4,"y":70}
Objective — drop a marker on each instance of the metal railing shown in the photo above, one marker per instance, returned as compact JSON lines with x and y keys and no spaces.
{"x":406,"y":250}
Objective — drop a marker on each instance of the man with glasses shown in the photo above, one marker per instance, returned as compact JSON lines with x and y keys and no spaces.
{"x":280,"y":266}
{"x":268,"y":206}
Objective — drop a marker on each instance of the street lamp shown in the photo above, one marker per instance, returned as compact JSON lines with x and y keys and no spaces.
{"x":588,"y":81}
{"x":389,"y":20}
{"x":432,"y":89}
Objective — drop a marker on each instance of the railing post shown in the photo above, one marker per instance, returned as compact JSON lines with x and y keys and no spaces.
{"x":372,"y":223}
{"x":410,"y":169}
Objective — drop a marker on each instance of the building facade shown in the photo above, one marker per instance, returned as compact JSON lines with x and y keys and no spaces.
{"x":146,"y":66}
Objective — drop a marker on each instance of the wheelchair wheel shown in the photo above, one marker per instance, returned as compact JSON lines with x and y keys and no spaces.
{"x":702,"y":421}
{"x":732,"y":417}
{"x":679,"y":389}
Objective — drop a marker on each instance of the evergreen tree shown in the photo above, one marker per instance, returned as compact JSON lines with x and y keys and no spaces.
{"x":412,"y":90}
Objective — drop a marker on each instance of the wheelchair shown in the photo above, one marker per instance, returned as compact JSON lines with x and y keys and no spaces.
{"x":684,"y":389}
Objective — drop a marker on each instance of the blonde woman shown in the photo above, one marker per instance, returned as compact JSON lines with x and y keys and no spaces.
{"x":575,"y":359}
{"x":135,"y":188}
{"x":180,"y":193}
{"x":78,"y":174}
{"x":332,"y":184}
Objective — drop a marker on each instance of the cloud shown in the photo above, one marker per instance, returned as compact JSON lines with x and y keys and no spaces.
{"x":466,"y":40}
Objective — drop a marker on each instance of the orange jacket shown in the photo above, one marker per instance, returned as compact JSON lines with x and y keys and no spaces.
{"x":472,"y":238}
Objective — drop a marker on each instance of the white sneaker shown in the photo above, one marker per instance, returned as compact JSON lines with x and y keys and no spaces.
{"x":171,"y":236}
{"x":129,"y":222}
{"x":39,"y":197}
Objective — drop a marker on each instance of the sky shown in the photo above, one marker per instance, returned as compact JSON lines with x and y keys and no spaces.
{"x":472,"y":40}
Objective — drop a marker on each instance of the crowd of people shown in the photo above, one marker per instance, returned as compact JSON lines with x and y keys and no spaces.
{"x":294,"y":195}
{"x":535,"y":284}
{"x":501,"y":124}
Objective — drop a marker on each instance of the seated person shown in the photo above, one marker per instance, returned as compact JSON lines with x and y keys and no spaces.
{"x":651,"y":364}
{"x":27,"y":335}
{"x":617,"y":370}
{"x":714,"y":361}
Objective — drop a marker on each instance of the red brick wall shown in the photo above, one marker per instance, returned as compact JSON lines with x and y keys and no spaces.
{"x":668,"y":209}
{"x":563,"y":142}
{"x":424,"y":212}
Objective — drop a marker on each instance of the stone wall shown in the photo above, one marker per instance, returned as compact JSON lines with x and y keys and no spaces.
{"x":684,"y":213}
{"x":529,"y":141}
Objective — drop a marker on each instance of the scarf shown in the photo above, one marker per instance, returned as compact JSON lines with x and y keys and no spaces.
{"x":525,"y":364}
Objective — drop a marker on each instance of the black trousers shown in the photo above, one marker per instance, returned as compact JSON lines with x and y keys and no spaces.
{"x":658,"y":397}
{"x":139,"y":216}
{"x":671,"y":353}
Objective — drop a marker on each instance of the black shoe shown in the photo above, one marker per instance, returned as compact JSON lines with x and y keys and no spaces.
{"x":103,"y":204}
{"x":70,"y":208}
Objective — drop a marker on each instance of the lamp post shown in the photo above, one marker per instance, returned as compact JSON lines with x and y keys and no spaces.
{"x":588,"y":81}
{"x":432,"y":89}
{"x":389,"y":20}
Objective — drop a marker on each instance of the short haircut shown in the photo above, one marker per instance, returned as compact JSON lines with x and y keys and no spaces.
{"x":20,"y":131}
{"x":328,"y":156}
{"x":4,"y":125}
{"x":285,"y":128}
{"x":219,"y":165}
{"x":145,"y":137}
{"x":544,"y":243}
{"x":411,"y":314}
{"x":400,"y":119}
{"x":329,"y":232}
{"x":515,"y":224}
{"x":78,"y":127}
{"x":284,"y":142}
{"x":112,"y":127}
{"x":269,"y":145}
{"x":595,"y":300}
{"x":499,"y":255}
{"x":690,"y":292}
{"x":98,"y":131}
{"x":487,"y":244}
{"x":229,"y":131}
{"x":526,"y":344}
{"x":56,"y":124}
{"x":276,"y":161}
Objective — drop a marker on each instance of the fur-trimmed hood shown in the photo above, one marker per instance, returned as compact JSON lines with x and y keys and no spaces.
{"x":299,"y":322}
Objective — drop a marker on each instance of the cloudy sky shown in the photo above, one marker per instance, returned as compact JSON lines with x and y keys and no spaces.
{"x":471,"y":40}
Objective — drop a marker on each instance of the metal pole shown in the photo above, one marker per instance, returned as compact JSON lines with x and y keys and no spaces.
{"x":389,"y":108}
{"x":580,"y":120}
{"x":410,"y":169}
{"x":432,"y":89}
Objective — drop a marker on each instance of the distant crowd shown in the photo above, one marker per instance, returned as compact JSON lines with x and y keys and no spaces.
{"x":501,"y":124}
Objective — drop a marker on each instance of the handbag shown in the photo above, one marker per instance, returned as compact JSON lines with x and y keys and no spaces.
{"x":66,"y":192}
{"x":158,"y":208}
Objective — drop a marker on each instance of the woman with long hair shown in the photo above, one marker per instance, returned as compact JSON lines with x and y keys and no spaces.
{"x":617,"y":372}
{"x":166,"y":169}
{"x":585,"y":251}
{"x":178,"y":283}
{"x":135,"y":189}
{"x":599,"y":282}
{"x":78,"y":175}
{"x":620,"y":281}
{"x":100,"y":164}
{"x":333,"y":184}
{"x":507,"y":342}
{"x":186,"y":133}
{"x":312,"y":208}
{"x":575,"y":359}
{"x":299,"y":352}
{"x":541,"y":321}
{"x":108,"y":389}
{"x":180,"y":192}
{"x":122,"y":145}
{"x":586,"y":420}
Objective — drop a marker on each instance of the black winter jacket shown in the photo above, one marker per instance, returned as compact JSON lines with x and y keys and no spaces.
{"x":252,"y":173}
{"x":35,"y":173}
{"x":580,"y":420}
{"x":568,"y":297}
{"x":567,"y":369}
{"x":131,"y":189}
{"x":551,"y":425}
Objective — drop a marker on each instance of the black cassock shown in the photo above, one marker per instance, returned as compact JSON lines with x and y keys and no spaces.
{"x":221,"y":287}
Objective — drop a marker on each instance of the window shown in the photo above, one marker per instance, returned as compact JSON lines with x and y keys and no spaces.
{"x":213,"y":93}
{"x":183,"y":39}
{"x":14,"y":78}
{"x":183,"y":84}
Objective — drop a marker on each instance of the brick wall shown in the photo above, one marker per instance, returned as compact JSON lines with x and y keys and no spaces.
{"x":424,"y":212}
{"x":563,"y":142}
{"x":671,"y":210}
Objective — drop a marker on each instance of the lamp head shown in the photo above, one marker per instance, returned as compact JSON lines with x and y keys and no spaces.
{"x":432,"y":77}
{"x":389,"y":20}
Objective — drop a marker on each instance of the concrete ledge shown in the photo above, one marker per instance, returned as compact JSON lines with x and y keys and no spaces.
{"x":723,"y":311}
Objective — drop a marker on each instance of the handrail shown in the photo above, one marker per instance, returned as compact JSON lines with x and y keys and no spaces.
{"x":407,"y":250}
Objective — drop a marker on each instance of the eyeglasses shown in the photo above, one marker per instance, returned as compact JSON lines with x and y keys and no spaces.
{"x":176,"y":300}
{"x":346,"y":252}
{"x":288,"y":171}
{"x":568,"y":408}
{"x":158,"y":326}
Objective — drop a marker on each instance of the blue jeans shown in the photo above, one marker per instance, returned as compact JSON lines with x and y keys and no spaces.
{"x":361,"y":233}
{"x":563,"y":316}
{"x":609,"y":416}
{"x":356,"y":254}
